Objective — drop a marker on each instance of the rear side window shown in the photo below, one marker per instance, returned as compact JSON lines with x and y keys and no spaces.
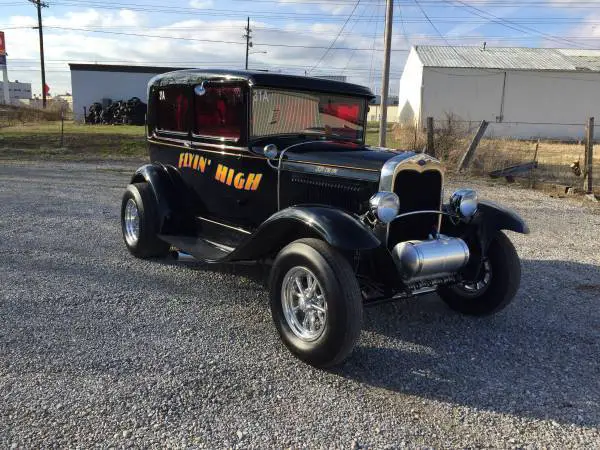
{"x":174,"y":109}
{"x":220,"y":112}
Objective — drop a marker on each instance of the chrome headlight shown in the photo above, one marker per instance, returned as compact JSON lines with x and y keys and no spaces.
{"x":385,"y":206}
{"x":464,"y":202}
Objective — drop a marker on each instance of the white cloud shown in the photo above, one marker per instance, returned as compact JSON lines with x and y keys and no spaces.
{"x":201,"y":4}
{"x":583,"y":35}
{"x":336,"y":8}
{"x":64,"y":46}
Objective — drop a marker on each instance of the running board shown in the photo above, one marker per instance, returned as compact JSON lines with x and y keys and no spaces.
{"x":199,"y":248}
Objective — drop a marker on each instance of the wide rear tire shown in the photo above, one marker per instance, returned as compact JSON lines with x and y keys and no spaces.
{"x":320,"y":326}
{"x":495,"y":288}
{"x":139,"y":223}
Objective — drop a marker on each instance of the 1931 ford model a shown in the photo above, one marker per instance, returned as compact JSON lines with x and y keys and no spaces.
{"x":274,"y":168}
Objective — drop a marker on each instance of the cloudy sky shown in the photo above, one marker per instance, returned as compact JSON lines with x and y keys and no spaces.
{"x":316,"y":37}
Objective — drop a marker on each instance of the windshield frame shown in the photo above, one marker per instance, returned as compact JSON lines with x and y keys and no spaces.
{"x":360,"y":99}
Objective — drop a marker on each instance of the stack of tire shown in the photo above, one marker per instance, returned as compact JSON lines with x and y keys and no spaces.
{"x":94,"y":115}
{"x":130,"y":112}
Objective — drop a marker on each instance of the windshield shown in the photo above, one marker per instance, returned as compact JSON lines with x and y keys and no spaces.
{"x":276,"y":112}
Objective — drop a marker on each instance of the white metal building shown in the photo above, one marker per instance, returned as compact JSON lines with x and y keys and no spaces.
{"x":17,"y":91}
{"x":524,"y":92}
{"x":92,"y":83}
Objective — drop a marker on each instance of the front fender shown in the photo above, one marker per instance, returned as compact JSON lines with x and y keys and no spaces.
{"x":496,"y":217}
{"x":338,"y":228}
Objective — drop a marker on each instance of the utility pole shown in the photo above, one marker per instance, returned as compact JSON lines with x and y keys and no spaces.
{"x":4,"y":69}
{"x":385,"y":82}
{"x":40,"y":4}
{"x":248,"y":37}
{"x":588,"y":184}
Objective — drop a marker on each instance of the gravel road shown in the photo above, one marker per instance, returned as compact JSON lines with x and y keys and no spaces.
{"x":98,"y":348}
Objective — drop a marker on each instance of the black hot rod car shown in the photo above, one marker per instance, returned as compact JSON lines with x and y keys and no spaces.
{"x":253,"y":166}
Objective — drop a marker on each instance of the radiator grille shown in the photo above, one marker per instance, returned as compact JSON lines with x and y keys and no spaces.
{"x":417,"y":191}
{"x":352,"y":196}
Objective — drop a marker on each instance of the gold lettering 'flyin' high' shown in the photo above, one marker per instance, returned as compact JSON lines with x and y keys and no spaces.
{"x":192,"y":161}
{"x":239,"y":180}
{"x":223,"y":174}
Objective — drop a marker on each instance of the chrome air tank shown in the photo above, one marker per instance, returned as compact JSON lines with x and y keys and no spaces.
{"x":434,"y":258}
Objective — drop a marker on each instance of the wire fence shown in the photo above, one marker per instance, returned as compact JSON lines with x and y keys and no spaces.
{"x":531,"y":151}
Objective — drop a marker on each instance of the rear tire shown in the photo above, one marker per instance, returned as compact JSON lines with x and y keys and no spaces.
{"x":327,"y":322}
{"x":140,"y":235}
{"x":495,"y":288}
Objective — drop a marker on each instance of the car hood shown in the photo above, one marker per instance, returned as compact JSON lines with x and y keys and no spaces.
{"x":342,"y":155}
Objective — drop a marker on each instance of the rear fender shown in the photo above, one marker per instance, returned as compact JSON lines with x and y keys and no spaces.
{"x":338,"y":228}
{"x":171,"y":198}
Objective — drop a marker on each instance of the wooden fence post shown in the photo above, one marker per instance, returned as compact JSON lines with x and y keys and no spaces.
{"x":533,"y":172}
{"x":62,"y":127}
{"x":430,"y":150}
{"x":466,"y":159}
{"x":588,"y":181}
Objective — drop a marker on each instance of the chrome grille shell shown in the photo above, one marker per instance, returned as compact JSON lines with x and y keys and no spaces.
{"x":418,"y":162}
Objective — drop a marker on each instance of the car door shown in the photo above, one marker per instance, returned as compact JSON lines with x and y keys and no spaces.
{"x":220,"y":161}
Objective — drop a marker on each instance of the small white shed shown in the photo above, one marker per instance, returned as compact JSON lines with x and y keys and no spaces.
{"x":523,"y":92}
{"x":93,"y":82}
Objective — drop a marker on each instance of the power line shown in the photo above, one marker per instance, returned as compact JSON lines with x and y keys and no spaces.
{"x":422,"y":37}
{"x":440,"y":34}
{"x":429,"y":3}
{"x":336,"y":38}
{"x":86,"y":30}
{"x":373,"y":52}
{"x":186,"y":63}
{"x":404,"y":34}
{"x":350,"y":32}
{"x":507,"y":23}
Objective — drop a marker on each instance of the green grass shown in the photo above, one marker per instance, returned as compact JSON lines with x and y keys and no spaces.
{"x":373,"y":139}
{"x":42,"y":141}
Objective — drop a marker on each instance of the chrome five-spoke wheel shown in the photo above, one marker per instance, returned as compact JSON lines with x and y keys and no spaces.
{"x":315,"y":302}
{"x":477,"y":287}
{"x":304,"y":304}
{"x":132,"y":222}
{"x":494,"y":287}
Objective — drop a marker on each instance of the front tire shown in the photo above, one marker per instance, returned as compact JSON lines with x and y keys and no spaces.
{"x":139,"y":223}
{"x":315,"y":302}
{"x":496,"y":286}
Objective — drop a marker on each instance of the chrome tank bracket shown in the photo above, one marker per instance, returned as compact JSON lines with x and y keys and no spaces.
{"x":431,"y":259}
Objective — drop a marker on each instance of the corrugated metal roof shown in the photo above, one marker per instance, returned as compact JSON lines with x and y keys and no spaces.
{"x":512,"y":58}
{"x":583,"y":59}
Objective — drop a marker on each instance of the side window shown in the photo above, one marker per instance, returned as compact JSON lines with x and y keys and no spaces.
{"x":173,"y":109}
{"x":220,"y":112}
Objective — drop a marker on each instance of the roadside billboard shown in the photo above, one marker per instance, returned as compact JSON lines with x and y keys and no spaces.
{"x":2,"y":44}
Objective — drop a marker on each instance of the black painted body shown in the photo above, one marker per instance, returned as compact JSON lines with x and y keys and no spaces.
{"x":247,"y":207}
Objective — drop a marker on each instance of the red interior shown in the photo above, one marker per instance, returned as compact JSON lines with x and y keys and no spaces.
{"x":219,"y":112}
{"x":344,"y":111}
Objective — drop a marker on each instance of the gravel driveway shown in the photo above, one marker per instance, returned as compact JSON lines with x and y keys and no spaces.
{"x":98,"y":348}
